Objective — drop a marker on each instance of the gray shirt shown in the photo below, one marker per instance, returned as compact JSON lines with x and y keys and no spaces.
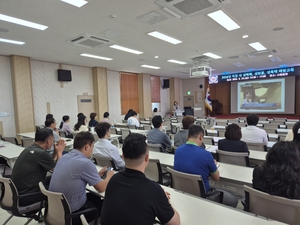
{"x":181,"y":137}
{"x":156,"y":136}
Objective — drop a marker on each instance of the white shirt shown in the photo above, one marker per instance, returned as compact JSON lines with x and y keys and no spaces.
{"x":254,"y":134}
{"x":105,"y":148}
{"x":133,"y":121}
{"x":289,"y":136}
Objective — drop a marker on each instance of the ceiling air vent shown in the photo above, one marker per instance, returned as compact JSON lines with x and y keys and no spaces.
{"x":89,"y":41}
{"x":191,"y":7}
{"x":262,"y":53}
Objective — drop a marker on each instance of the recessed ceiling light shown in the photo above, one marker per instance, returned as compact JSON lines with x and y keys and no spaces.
{"x":278,"y":28}
{"x":12,"y":41}
{"x":77,"y":3}
{"x":225,"y":21}
{"x":22,"y":22}
{"x":211,"y":55}
{"x":156,"y":56}
{"x":176,"y":61}
{"x":270,"y":56}
{"x":151,"y":67}
{"x":96,"y":56}
{"x":126,"y":49}
{"x":164,"y":37}
{"x":245,"y":36}
{"x":257,"y":46}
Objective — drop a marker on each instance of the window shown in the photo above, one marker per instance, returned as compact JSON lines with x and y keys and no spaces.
{"x":129,"y":92}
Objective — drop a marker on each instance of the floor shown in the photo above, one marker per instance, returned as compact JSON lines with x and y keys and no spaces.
{"x":15,"y":220}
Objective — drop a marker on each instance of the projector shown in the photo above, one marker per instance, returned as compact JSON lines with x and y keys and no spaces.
{"x":201,"y":71}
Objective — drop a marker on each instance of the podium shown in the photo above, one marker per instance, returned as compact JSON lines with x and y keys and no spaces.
{"x":178,"y":112}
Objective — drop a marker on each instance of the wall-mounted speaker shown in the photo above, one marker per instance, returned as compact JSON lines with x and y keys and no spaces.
{"x":201,"y":86}
{"x":166,"y":83}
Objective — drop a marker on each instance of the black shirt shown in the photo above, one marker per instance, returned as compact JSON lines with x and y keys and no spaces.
{"x":93,"y":123}
{"x":232,"y":145}
{"x":133,"y":199}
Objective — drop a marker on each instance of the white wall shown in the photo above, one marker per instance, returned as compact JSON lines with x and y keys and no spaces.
{"x":63,"y":101}
{"x":6,"y":98}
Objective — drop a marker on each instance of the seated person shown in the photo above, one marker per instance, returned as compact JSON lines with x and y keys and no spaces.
{"x":33,"y":164}
{"x":133,"y":120}
{"x":290,"y":135}
{"x":126,"y":117}
{"x":193,"y":159}
{"x":279,"y":175}
{"x":74,"y":171}
{"x":64,"y":126}
{"x":51,"y":124}
{"x":130,"y":197}
{"x":156,"y":136}
{"x":104,"y":147}
{"x":93,"y":122}
{"x":252,"y":133}
{"x":81,"y":124}
{"x":106,"y":117}
{"x":155,"y":113}
{"x":180,"y":137}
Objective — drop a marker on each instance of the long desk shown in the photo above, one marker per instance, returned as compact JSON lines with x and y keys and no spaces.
{"x":10,"y":152}
{"x":196,"y":210}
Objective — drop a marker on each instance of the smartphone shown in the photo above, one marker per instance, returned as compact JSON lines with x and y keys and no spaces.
{"x":105,"y":174}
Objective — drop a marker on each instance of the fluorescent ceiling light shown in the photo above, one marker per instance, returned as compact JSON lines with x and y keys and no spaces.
{"x":12,"y":41}
{"x":164,"y":37}
{"x":176,"y":61}
{"x":171,"y":12}
{"x":96,"y":56}
{"x":126,"y":49}
{"x":22,"y":22}
{"x":245,"y":36}
{"x":151,"y":67}
{"x":211,"y":55}
{"x":257,"y":46}
{"x":77,"y":3}
{"x":225,"y":21}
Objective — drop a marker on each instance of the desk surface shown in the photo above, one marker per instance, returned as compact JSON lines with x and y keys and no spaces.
{"x":69,"y":141}
{"x":10,"y":151}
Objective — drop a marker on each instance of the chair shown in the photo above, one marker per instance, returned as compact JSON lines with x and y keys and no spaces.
{"x":12,"y":140}
{"x":208,"y":140}
{"x":147,"y":127}
{"x":154,"y":172}
{"x":74,"y":133}
{"x":26,"y":142}
{"x":62,"y":134}
{"x":58,"y":211}
{"x":124,"y":121}
{"x":155,"y":147}
{"x":104,"y":161}
{"x":191,"y":183}
{"x":112,"y":130}
{"x":210,"y":132}
{"x":10,"y":202}
{"x":38,"y":127}
{"x":83,"y":220}
{"x":131,"y":127}
{"x":125,"y":133}
{"x":271,"y":126}
{"x":274,"y":207}
{"x":173,"y":129}
{"x":256,"y":146}
{"x":235,"y":158}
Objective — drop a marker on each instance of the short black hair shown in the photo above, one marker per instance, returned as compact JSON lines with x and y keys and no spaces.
{"x":252,"y":119}
{"x":48,"y":122}
{"x":79,"y":114}
{"x":133,"y":113}
{"x":233,"y":132}
{"x":42,"y":134}
{"x":49,"y":116}
{"x":106,"y":114}
{"x":195,"y":131}
{"x":155,"y":110}
{"x":83,"y":138}
{"x":134,"y":146}
{"x":157,"y":121}
{"x":93,"y":115}
{"x":102,"y":128}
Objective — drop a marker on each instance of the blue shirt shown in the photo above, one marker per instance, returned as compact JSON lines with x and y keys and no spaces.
{"x":190,"y":158}
{"x":72,"y":173}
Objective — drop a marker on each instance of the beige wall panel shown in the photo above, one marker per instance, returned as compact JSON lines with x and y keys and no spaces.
{"x":174,"y":92}
{"x":22,"y":91}
{"x":100,"y":91}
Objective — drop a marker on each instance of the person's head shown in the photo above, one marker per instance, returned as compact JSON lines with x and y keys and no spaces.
{"x":296,"y":132}
{"x":233,"y":132}
{"x":49,"y":116}
{"x":93,"y":115}
{"x":65,"y":119}
{"x":50,"y":123}
{"x":106,"y":115}
{"x":196,"y":134}
{"x":84,"y":142}
{"x":133,"y":113}
{"x":81,"y":121}
{"x":79,"y":114}
{"x":155,"y":110}
{"x":130,"y":111}
{"x":281,"y":171}
{"x":175,"y":103}
{"x":135,"y":150}
{"x":187,"y":121}
{"x":102,"y":128}
{"x":252,"y":119}
{"x":44,"y":138}
{"x":157,"y":121}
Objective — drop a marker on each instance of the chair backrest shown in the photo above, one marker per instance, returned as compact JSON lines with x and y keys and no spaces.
{"x":147,"y":127}
{"x":124,"y":121}
{"x":155,"y":147}
{"x":74,"y":133}
{"x":274,"y":207}
{"x":56,"y":208}
{"x":104,"y":161}
{"x":153,"y":170}
{"x":208,"y":140}
{"x":210,"y":132}
{"x":185,"y":182}
{"x":131,"y":126}
{"x":125,"y":132}
{"x":112,"y":130}
{"x":12,"y":140}
{"x":27,"y":142}
{"x":8,"y":191}
{"x":235,"y":158}
{"x":62,"y":134}
{"x":256,"y":146}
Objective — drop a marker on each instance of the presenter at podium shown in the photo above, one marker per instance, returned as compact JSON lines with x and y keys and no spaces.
{"x":176,"y":106}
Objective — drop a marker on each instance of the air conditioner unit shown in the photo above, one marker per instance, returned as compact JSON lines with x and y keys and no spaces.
{"x":201,"y":71}
{"x":89,"y":41}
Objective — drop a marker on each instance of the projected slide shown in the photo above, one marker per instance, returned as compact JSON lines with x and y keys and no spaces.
{"x":261,"y":96}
